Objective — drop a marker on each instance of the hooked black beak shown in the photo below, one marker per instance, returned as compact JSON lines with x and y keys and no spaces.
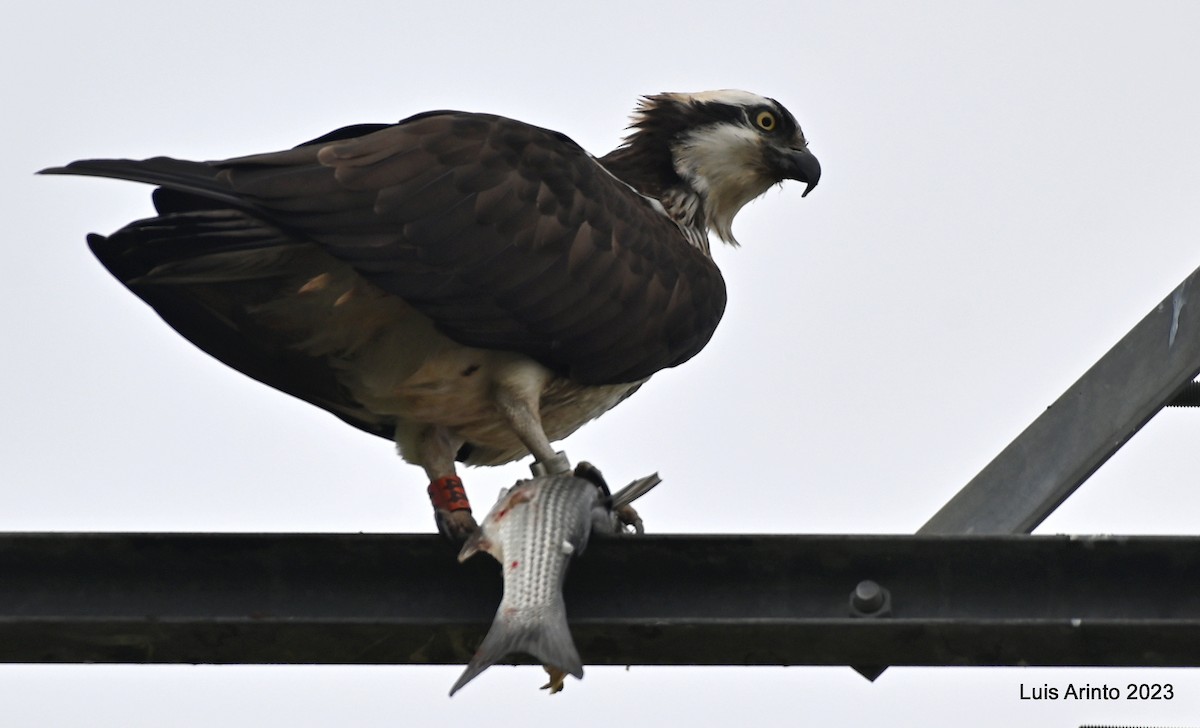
{"x":799,"y":164}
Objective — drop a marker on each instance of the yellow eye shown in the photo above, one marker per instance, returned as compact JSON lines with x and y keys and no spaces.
{"x":765,"y":121}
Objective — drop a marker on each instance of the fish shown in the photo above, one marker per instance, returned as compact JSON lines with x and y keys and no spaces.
{"x":533,"y":531}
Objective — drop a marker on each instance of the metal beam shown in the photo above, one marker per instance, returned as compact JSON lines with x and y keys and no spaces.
{"x":1145,"y":371}
{"x":662,"y":600}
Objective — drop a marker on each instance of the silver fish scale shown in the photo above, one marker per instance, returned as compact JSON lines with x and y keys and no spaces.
{"x":533,"y":530}
{"x":531,"y":540}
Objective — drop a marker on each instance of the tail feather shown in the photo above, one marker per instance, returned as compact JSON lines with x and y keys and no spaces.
{"x":198,"y":178}
{"x":545,"y":636}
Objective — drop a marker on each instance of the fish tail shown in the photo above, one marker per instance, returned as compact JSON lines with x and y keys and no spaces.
{"x":542,"y":634}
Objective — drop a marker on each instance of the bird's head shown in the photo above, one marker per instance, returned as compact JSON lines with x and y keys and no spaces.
{"x":728,"y":147}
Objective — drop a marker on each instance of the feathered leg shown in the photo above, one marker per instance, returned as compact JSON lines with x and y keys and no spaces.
{"x":518,"y":399}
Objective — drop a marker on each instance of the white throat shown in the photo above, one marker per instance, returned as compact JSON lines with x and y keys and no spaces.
{"x":723,"y":163}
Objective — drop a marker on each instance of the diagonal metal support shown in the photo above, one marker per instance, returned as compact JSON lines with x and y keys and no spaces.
{"x":1031,"y":477}
{"x":652,"y":600}
{"x":1153,"y":366}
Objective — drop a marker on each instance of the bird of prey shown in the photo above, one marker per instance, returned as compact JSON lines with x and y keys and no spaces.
{"x":470,"y":286}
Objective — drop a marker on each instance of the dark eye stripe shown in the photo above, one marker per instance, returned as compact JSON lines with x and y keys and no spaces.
{"x":785,"y":123}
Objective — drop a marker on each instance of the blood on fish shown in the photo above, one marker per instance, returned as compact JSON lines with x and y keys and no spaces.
{"x":542,"y":523}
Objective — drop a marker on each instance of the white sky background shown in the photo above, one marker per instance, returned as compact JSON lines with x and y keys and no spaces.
{"x":1008,"y":188}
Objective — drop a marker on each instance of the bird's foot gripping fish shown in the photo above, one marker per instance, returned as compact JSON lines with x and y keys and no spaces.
{"x":533,"y":530}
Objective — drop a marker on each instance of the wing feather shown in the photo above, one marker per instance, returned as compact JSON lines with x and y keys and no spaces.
{"x":506,"y":235}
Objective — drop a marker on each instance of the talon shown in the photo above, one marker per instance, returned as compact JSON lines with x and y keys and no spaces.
{"x":592,"y":474}
{"x":629,"y":518}
{"x":455,"y":525}
{"x":451,"y":509}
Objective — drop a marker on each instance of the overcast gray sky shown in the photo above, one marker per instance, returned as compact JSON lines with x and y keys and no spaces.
{"x":1008,"y":188}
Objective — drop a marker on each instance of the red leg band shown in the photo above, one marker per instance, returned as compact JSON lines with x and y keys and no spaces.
{"x":447,"y":494}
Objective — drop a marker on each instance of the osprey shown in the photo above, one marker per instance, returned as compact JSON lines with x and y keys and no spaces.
{"x":470,"y":286}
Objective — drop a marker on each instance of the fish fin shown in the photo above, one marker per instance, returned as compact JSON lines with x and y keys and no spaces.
{"x":634,"y":490}
{"x":545,"y":636}
{"x":476,"y":542}
{"x":557,"y":677}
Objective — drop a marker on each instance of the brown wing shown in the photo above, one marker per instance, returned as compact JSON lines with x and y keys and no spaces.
{"x":508,"y":236}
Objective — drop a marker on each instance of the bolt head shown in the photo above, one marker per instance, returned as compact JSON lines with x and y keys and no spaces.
{"x":869,"y":599}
